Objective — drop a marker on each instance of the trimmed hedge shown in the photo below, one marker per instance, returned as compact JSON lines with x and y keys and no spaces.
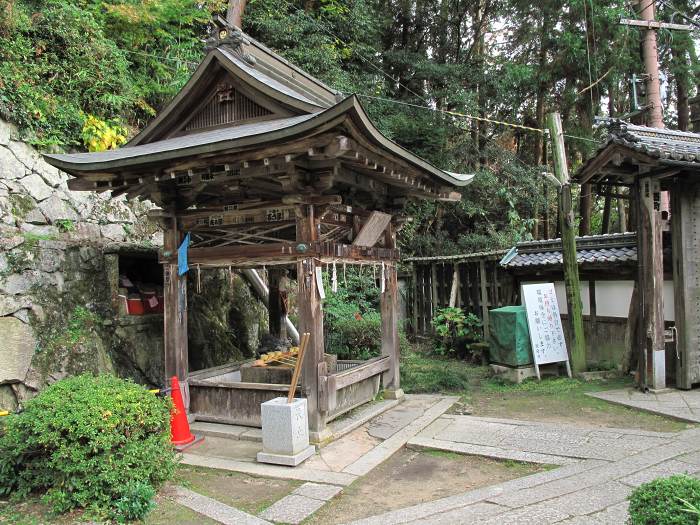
{"x":96,"y":442}
{"x":666,"y":501}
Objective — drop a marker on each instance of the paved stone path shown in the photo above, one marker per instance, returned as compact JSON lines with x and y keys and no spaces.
{"x":214,"y":509}
{"x":301,"y":503}
{"x":604,"y":466}
{"x":679,"y":404}
{"x":534,"y":442}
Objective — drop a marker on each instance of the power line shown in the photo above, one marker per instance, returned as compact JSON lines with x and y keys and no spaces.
{"x":681,"y":14}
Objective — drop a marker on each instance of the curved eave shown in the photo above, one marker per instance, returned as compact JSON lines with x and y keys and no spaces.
{"x":283,"y":94}
{"x":270,"y":133}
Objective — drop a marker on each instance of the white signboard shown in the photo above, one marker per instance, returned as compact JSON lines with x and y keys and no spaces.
{"x":544,"y":322}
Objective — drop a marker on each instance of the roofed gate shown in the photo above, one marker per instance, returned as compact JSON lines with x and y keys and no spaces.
{"x":265,"y":166}
{"x":649,"y":161}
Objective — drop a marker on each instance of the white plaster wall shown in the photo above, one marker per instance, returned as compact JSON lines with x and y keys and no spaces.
{"x":612,"y":298}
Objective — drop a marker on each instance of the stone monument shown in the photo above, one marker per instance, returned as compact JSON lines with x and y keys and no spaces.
{"x":285,"y":431}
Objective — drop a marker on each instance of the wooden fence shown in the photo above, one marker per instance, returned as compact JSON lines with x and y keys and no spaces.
{"x":474,"y":282}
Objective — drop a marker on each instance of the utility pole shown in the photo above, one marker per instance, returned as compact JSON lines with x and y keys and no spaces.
{"x":568,"y":245}
{"x":650,"y":54}
{"x":651,"y":65}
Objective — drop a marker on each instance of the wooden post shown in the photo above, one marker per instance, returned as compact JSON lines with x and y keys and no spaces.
{"x":686,"y":280}
{"x":175,"y":315}
{"x":651,"y":285}
{"x":389,"y":308}
{"x":454,"y":291}
{"x":414,"y":298}
{"x":484,"y":299}
{"x":631,"y":330}
{"x":435,"y":300}
{"x":311,"y":321}
{"x":568,"y":238}
{"x":605,"y":228}
{"x":277,"y":286}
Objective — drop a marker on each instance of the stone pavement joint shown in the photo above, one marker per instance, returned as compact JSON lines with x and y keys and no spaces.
{"x":678,"y":404}
{"x":301,"y":503}
{"x":387,"y":448}
{"x":292,"y":509}
{"x":215,"y":509}
{"x":270,"y":471}
{"x":419,"y":442}
{"x":587,"y":491}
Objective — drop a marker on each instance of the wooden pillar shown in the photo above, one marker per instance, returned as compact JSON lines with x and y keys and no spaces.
{"x":277,"y":286}
{"x":605,"y":228}
{"x":311,"y":320}
{"x":484,"y":299}
{"x":414,"y":298}
{"x":685,"y":221}
{"x":651,"y":285}
{"x":435,"y":301}
{"x":175,"y":315}
{"x":389,"y":308}
{"x":454,"y":290}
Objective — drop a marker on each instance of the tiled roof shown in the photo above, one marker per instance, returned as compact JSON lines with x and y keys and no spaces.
{"x":663,"y":144}
{"x":459,"y":257}
{"x":592,"y":249}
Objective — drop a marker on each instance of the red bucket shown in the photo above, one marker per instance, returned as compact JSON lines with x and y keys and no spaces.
{"x":135,"y":306}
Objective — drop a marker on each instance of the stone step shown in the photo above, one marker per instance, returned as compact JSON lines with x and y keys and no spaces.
{"x":222,"y":430}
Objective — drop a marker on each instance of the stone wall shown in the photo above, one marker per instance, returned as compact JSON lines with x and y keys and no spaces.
{"x":57,"y":309}
{"x":60,"y":256}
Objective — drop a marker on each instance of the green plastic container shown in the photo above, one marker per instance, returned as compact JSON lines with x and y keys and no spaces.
{"x":509,"y":337}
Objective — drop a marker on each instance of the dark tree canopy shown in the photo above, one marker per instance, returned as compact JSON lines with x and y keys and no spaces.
{"x":415,"y":64}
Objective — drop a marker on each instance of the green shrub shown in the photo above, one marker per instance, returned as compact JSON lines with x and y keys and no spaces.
{"x":136,"y":501}
{"x":426,"y":373}
{"x":96,"y":442}
{"x":454,"y":330}
{"x":666,"y":501}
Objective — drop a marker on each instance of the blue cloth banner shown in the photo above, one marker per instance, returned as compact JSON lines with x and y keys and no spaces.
{"x":182,"y":266}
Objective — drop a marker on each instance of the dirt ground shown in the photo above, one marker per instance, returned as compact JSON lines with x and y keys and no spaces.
{"x":247,"y":493}
{"x":410,"y":477}
{"x":561,"y":401}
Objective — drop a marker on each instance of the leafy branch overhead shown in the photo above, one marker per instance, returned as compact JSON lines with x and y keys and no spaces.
{"x":73,"y":73}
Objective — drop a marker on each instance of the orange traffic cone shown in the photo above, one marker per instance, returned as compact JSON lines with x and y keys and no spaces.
{"x":179,"y":426}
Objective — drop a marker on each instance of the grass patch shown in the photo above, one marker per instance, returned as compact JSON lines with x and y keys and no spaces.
{"x":421,"y":373}
{"x":445,"y":454}
{"x":554,"y":399}
{"x":250,"y":494}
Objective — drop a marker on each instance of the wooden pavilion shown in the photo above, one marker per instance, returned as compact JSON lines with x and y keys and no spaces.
{"x":265,"y":166}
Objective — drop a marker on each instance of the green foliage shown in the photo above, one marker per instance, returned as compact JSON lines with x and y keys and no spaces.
{"x":101,"y":135}
{"x":351,"y":338}
{"x":95,"y":442}
{"x":421,"y":373}
{"x":65,"y":225}
{"x":136,"y":501}
{"x":454,"y":329}
{"x":666,"y":501}
{"x":352,"y":323}
{"x":60,"y":60}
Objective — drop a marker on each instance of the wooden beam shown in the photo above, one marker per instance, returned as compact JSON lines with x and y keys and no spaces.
{"x":277,"y":278}
{"x":372,"y":229}
{"x":311,"y":321}
{"x":484,"y":300}
{"x":175,"y":314}
{"x":389,"y":309}
{"x":651,"y":282}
